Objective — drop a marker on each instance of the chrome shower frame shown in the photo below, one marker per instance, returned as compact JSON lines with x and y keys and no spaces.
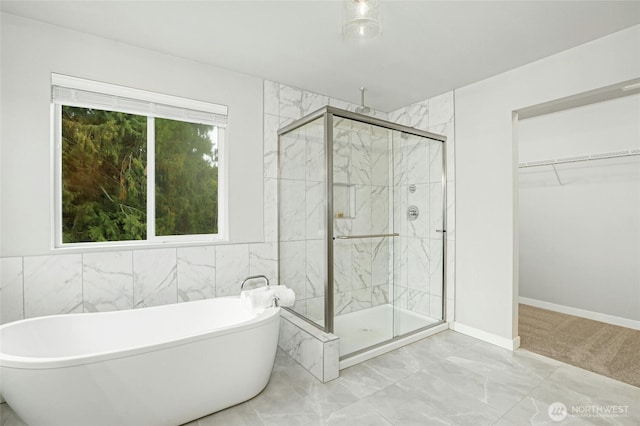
{"x":329,"y":113}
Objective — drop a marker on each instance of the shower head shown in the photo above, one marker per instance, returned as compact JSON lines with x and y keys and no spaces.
{"x":362,"y":109}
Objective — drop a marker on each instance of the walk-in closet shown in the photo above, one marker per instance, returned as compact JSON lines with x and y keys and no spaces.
{"x":579,"y":230}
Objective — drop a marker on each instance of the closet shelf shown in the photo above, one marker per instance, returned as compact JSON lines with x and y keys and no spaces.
{"x":601,"y":156}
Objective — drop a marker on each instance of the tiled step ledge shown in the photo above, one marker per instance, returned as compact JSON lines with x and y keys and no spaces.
{"x":318,"y":352}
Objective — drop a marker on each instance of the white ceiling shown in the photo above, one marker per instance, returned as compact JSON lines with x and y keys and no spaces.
{"x":427,"y":47}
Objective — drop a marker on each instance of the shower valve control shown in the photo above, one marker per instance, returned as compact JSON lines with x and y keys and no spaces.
{"x":412,"y":212}
{"x":412,"y":188}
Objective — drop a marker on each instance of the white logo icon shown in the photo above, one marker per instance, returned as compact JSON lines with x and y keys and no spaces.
{"x":557,"y":411}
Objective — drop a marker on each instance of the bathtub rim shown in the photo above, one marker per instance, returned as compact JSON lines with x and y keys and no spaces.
{"x":40,"y":363}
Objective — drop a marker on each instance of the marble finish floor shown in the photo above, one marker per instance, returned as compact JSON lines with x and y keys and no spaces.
{"x":446,"y":379}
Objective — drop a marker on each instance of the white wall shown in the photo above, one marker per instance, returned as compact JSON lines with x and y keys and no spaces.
{"x":580,"y":240}
{"x":31,"y":51}
{"x":486,"y":185}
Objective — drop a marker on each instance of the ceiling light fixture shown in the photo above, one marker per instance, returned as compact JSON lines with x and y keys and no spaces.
{"x":360,"y":19}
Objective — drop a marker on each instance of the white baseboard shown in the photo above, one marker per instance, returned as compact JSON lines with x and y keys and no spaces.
{"x":494,"y":339}
{"x":596,"y":316}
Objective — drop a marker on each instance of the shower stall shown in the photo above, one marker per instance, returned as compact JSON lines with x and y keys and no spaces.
{"x":361,"y":226}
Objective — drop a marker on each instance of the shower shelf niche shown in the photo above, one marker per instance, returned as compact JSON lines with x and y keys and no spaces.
{"x":344,"y":200}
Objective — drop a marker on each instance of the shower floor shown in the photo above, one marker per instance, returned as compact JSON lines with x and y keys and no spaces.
{"x":361,"y":329}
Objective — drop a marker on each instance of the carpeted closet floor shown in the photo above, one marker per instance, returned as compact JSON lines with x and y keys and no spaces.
{"x":595,"y":346}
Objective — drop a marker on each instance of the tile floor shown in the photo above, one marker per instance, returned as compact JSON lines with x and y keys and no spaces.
{"x":446,"y":379}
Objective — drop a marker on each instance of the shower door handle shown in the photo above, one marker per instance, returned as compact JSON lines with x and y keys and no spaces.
{"x":442,"y":231}
{"x":353,"y":237}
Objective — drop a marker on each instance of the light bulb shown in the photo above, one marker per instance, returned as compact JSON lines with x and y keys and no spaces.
{"x":363,"y":7}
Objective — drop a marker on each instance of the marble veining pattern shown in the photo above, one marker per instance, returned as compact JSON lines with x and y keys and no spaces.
{"x":296,"y":103}
{"x":301,"y":346}
{"x":435,"y":161}
{"x":270,"y":140}
{"x":342,"y":156}
{"x":400,"y":261}
{"x":232,"y":266}
{"x":380,"y":220}
{"x":331,"y":359}
{"x":418,"y":160}
{"x":292,"y":210}
{"x":435,"y":267}
{"x":380,"y":295}
{"x":361,"y":256}
{"x":154,"y":277}
{"x":381,"y":265}
{"x":52,"y":285}
{"x":107,"y":281}
{"x":418,"y":301}
{"x":400,"y":296}
{"x":315,"y":218}
{"x":315,"y":161}
{"x":270,"y":209}
{"x":342,"y":265}
{"x":361,"y":158}
{"x":418,"y":264}
{"x":447,"y":129}
{"x":451,"y":210}
{"x":11,"y":289}
{"x":316,"y":351}
{"x":400,"y":160}
{"x":425,"y":384}
{"x":380,"y":160}
{"x":263,"y":260}
{"x":354,"y":300}
{"x":293,"y":266}
{"x":362,"y":215}
{"x":435,"y":210}
{"x":399,"y":207}
{"x":419,"y":227}
{"x":315,"y":269}
{"x":196,"y":273}
{"x":292,"y":155}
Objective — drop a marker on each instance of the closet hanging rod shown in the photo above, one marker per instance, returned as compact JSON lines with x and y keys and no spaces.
{"x":602,"y":156}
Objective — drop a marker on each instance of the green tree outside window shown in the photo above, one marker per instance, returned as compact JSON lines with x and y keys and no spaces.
{"x":104,"y":176}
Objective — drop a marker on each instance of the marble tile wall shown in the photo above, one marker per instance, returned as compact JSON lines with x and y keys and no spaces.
{"x":418,"y":255}
{"x":111,"y":280}
{"x":107,"y":281}
{"x":316,"y":351}
{"x":361,"y":168}
{"x":362,"y":204}
{"x":302,"y":205}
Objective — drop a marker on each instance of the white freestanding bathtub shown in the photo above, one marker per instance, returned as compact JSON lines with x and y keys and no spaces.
{"x":164,"y":365}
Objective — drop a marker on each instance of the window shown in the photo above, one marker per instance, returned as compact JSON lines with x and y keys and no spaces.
{"x":135,"y":166}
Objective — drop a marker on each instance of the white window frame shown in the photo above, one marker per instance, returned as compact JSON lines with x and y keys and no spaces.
{"x":158,"y":105}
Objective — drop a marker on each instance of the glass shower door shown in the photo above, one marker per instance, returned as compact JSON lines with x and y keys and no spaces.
{"x":362,"y":234}
{"x":388,"y":233}
{"x":419,"y":186}
{"x":361,"y":230}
